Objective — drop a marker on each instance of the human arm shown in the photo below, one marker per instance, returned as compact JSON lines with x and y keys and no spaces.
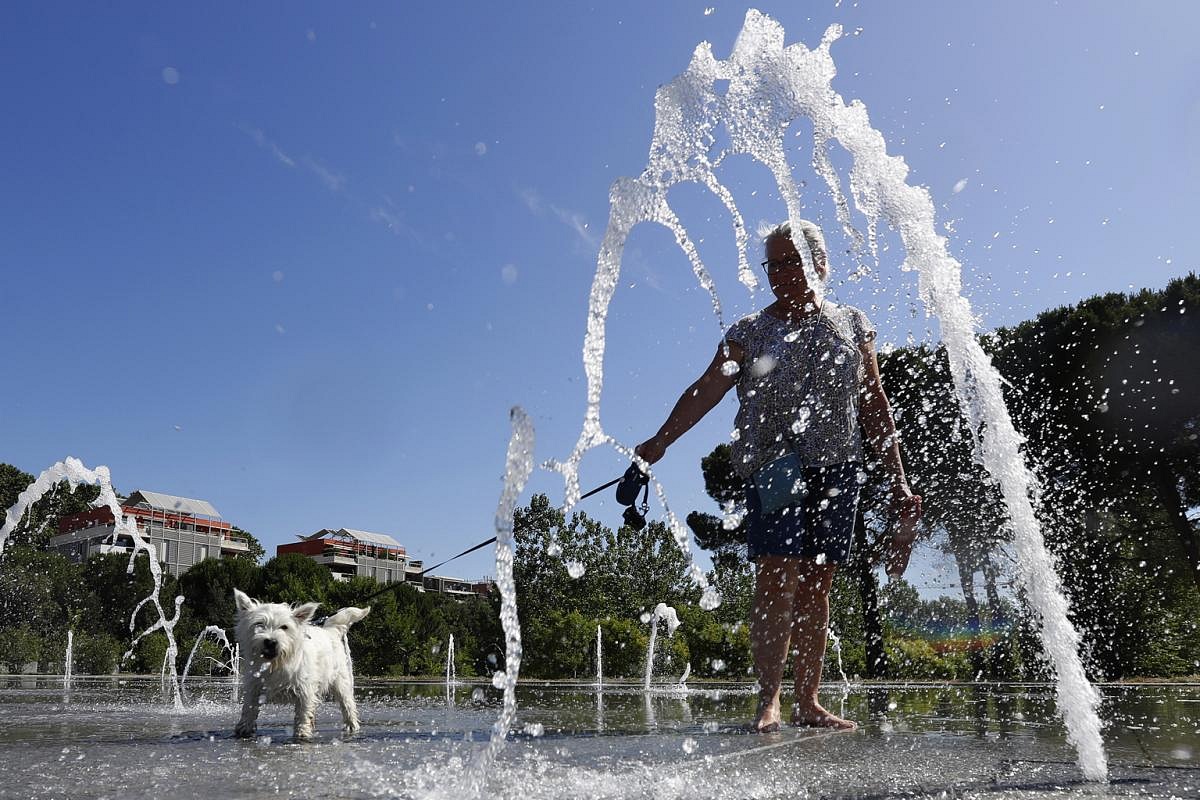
{"x":875,"y":416}
{"x":696,"y":401}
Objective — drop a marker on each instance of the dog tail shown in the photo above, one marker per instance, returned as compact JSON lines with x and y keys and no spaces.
{"x":346,"y":617}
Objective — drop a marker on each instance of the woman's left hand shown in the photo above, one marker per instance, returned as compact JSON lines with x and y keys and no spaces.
{"x":906,"y":507}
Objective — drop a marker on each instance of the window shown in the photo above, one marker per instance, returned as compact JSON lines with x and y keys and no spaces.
{"x":201,"y":552}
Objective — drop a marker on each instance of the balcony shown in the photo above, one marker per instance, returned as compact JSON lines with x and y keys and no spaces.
{"x":336,"y":560}
{"x":230,"y":545}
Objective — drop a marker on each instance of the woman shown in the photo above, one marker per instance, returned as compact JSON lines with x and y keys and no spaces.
{"x":809,"y":393}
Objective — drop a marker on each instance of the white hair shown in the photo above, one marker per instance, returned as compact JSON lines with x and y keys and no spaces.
{"x":813,"y":237}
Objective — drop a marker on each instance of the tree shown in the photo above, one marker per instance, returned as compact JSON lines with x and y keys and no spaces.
{"x":626,"y":572}
{"x":294,"y":578}
{"x":256,"y":552}
{"x":41,"y":591}
{"x":96,"y":653}
{"x":18,"y":647}
{"x":207,"y":588}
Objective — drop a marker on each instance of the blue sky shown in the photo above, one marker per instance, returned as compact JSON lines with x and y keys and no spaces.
{"x":300,"y":259}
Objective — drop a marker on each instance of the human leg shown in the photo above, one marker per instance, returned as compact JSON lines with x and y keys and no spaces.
{"x":830,"y":507}
{"x":810,"y":626}
{"x":770,"y":626}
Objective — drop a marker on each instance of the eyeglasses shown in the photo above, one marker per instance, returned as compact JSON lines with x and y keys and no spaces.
{"x":775,"y":264}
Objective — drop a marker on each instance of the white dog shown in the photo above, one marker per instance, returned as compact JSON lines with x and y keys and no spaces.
{"x":287,"y":660}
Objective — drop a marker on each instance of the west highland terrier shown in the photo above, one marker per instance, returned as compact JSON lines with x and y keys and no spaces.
{"x":285,"y":659}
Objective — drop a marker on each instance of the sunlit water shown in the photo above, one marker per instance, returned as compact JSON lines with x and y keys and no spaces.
{"x":116,"y":738}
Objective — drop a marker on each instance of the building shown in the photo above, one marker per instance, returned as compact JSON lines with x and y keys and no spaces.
{"x":182,"y":531}
{"x":348,"y":553}
{"x":444,"y":584}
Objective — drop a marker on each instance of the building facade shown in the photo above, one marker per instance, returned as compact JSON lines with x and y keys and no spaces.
{"x":182,"y":531}
{"x":349,"y":553}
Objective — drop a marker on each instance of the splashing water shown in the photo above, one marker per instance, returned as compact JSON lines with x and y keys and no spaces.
{"x":836,"y":643}
{"x":771,"y":85}
{"x":663,"y":612}
{"x":69,"y":660}
{"x":451,"y":674}
{"x":74,"y":473}
{"x":599,"y":659}
{"x":518,"y":467}
{"x":218,"y":634}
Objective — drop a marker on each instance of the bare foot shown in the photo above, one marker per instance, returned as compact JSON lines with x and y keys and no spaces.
{"x":767,"y":719}
{"x":816,"y":716}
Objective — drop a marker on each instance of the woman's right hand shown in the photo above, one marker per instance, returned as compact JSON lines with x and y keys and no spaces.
{"x":651,"y":450}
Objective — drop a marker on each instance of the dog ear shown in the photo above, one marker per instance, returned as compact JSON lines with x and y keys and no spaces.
{"x":242,"y":599}
{"x":305,"y":612}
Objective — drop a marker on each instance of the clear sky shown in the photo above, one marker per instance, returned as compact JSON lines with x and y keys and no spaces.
{"x":299,"y":260}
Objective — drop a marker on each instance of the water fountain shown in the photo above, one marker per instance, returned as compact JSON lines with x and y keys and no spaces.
{"x":663,"y":612}
{"x":69,"y":660}
{"x":518,"y":466}
{"x":217,"y":634}
{"x":451,"y":674}
{"x":75,"y":473}
{"x":769,"y":86}
{"x":599,"y":659}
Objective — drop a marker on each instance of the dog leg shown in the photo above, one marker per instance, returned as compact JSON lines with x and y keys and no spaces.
{"x":248,"y":724}
{"x":306,"y":715}
{"x":344,"y":694}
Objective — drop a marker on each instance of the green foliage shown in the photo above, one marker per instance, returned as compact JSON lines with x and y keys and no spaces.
{"x":294,"y":578}
{"x":207,"y":588}
{"x":41,"y":591}
{"x":117,"y":591}
{"x":96,"y":653}
{"x":559,"y":645}
{"x":256,"y":553}
{"x":625,"y":643}
{"x":717,"y":649}
{"x":18,"y":647}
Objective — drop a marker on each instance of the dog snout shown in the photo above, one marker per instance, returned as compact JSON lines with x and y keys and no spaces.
{"x":270,"y":648}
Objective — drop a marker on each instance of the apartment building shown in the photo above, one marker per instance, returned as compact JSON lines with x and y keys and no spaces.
{"x":183,"y":531}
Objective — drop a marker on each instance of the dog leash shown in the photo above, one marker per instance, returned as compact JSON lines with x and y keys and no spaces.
{"x":633,"y":480}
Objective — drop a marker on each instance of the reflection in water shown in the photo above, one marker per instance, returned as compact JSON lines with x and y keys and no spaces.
{"x":981,"y":740}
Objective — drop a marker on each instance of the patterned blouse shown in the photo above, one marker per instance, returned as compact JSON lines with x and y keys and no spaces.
{"x":798,"y":389}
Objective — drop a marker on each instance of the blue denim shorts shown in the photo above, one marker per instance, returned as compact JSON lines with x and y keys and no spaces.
{"x":807,"y":512}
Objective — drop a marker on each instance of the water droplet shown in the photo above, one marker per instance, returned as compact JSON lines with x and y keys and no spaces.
{"x":170,"y":76}
{"x":689,"y":745}
{"x":730,"y":368}
{"x":763,"y":365}
{"x":575,"y":569}
{"x":498,"y":680}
